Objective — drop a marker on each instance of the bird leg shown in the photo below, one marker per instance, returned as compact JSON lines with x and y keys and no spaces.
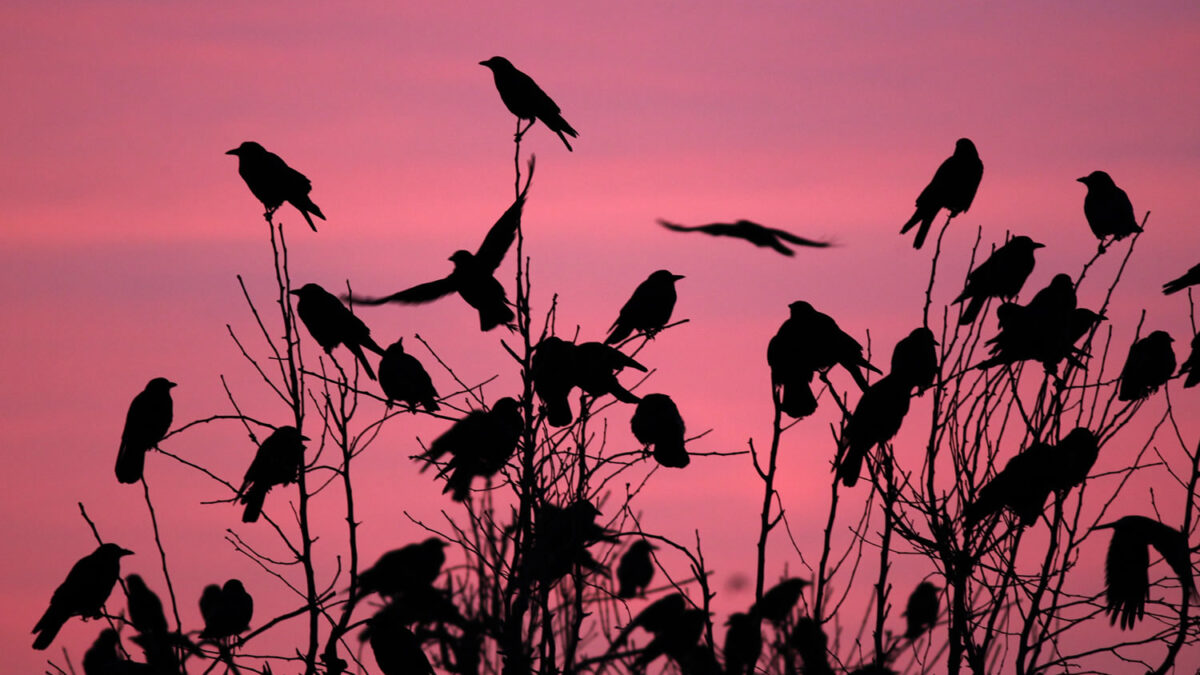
{"x":520,"y":131}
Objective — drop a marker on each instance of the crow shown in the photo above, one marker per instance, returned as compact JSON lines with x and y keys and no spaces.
{"x":656,"y":422}
{"x":921,"y":612}
{"x":1150,"y":363}
{"x":635,"y":570}
{"x":397,"y":651}
{"x":953,"y":188}
{"x":83,"y":593}
{"x":525,"y":99}
{"x":273,"y":182}
{"x":1191,"y":365}
{"x":759,"y":235}
{"x":777,"y":602}
{"x":1126,"y":568}
{"x":595,"y":369}
{"x":1107,"y":208}
{"x":226,"y":610}
{"x":553,"y":378}
{"x":743,"y":643}
{"x":278,"y":461}
{"x":818,"y":343}
{"x":403,"y":379}
{"x":875,"y":420}
{"x":146,"y":424}
{"x":914,"y":359}
{"x":1000,"y":276}
{"x":1189,"y":278}
{"x":480,"y":444}
{"x":331,"y":324}
{"x":648,"y":309}
{"x":405,"y":570}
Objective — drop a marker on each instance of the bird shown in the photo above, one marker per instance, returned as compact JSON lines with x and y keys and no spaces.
{"x":1150,"y":363}
{"x":226,"y":610}
{"x":473,"y":277}
{"x":1191,"y":365}
{"x":479,"y":444}
{"x":1107,"y":208}
{"x":648,"y":309}
{"x":875,"y":420}
{"x":145,"y":609}
{"x":953,"y":188}
{"x":819,"y":343}
{"x":146,"y":424}
{"x":743,"y":643}
{"x":1044,"y":330}
{"x":811,"y":644}
{"x":561,"y":538}
{"x":791,"y":370}
{"x":635,"y":570}
{"x":676,"y":640}
{"x":1072,"y":459}
{"x":777,"y":602}
{"x":397,"y":651}
{"x":1000,"y":276}
{"x":525,"y":99}
{"x":553,"y":378}
{"x":654,"y":618}
{"x":914,"y":359}
{"x":404,"y":379}
{"x":759,"y":235}
{"x":1189,"y":278}
{"x":104,"y":658}
{"x":595,"y":369}
{"x":656,"y":422}
{"x":405,"y":570}
{"x":1022,"y":487}
{"x":273,"y":182}
{"x":1126,"y":567}
{"x":331,"y":324}
{"x":278,"y":461}
{"x":83,"y":593}
{"x":921,"y":611}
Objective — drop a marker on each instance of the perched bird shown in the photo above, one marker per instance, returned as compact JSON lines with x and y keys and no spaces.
{"x":404,"y":571}
{"x":811,"y":643}
{"x":654,"y":618}
{"x":479,"y":444}
{"x":1150,"y":363}
{"x":1191,"y":366}
{"x":104,"y":658}
{"x":1189,"y":278}
{"x":953,"y":188}
{"x":146,"y":424}
{"x":810,"y":341}
{"x":777,"y":602}
{"x":561,"y":538}
{"x":921,"y":612}
{"x":876,"y":418}
{"x":914,"y":359}
{"x":397,"y":651}
{"x":403,"y":379}
{"x":648,"y":309}
{"x":1072,"y":459}
{"x":791,"y":370}
{"x":1107,"y":208}
{"x":656,"y":422}
{"x":145,"y":609}
{"x":1044,"y":330}
{"x":595,"y":369}
{"x":474,"y":275}
{"x":759,"y":235}
{"x":525,"y":99}
{"x":278,"y":461}
{"x":1022,"y":487}
{"x":552,"y":368}
{"x":1000,"y":276}
{"x":635,"y":570}
{"x":226,"y":610}
{"x":331,"y":324}
{"x":273,"y":182}
{"x":1126,"y":568}
{"x":743,"y":643}
{"x":676,"y":640}
{"x":83,"y":593}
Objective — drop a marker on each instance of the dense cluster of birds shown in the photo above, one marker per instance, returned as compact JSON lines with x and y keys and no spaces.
{"x":479,"y":445}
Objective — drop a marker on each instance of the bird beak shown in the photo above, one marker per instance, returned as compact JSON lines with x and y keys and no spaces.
{"x":124,"y":552}
{"x":293,"y":292}
{"x":483,"y":63}
{"x":171,"y":384}
{"x":305,"y":438}
{"x":232,"y":152}
{"x":677,"y":277}
{"x":1082,"y":180}
{"x":1037,"y":245}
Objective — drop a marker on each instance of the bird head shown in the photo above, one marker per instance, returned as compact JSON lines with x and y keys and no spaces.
{"x":964,"y":146}
{"x":247,"y":148}
{"x":234,"y":585}
{"x":800,"y":308}
{"x":161,"y":383}
{"x":291,"y":433}
{"x":1161,"y":336}
{"x":1023,"y":242}
{"x":113,"y":551}
{"x":1096,"y":178}
{"x":307,"y":290}
{"x":461,"y":258}
{"x":665,"y":275}
{"x":397,"y":347}
{"x":497,"y":63}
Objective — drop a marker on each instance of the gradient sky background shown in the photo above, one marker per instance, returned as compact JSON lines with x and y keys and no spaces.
{"x":123,"y":225}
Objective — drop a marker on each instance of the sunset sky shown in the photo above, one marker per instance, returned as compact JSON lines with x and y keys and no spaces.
{"x":124,"y":226}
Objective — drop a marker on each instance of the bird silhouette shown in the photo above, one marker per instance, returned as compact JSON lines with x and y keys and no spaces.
{"x":792,"y":370}
{"x":83,"y":593}
{"x":1022,"y":487}
{"x":1072,"y":459}
{"x":473,"y":277}
{"x":654,"y":618}
{"x":403,"y":379}
{"x":278,"y":461}
{"x":914,"y":359}
{"x":226,"y":610}
{"x":552,"y":368}
{"x":479,"y":444}
{"x":656,"y":422}
{"x":1191,"y":365}
{"x":145,"y":609}
{"x":875,"y":420}
{"x":525,"y":99}
{"x":953,"y":188}
{"x":759,"y":235}
{"x":404,"y":571}
{"x":104,"y":657}
{"x":811,"y":643}
{"x":331,"y":324}
{"x":1000,"y":276}
{"x":561,"y":538}
{"x":635,"y":570}
{"x":1189,"y":278}
{"x":273,"y":182}
{"x":676,"y":640}
{"x":743,"y":643}
{"x":595,"y":369}
{"x":921,"y":611}
{"x":817,"y":344}
{"x":146,"y":423}
{"x":1044,"y":330}
{"x":1107,"y":208}
{"x":1150,"y":363}
{"x":1127,"y":565}
{"x":397,"y":650}
{"x":777,"y":602}
{"x":648,"y":309}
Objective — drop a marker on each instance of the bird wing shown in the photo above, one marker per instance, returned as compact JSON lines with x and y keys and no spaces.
{"x":500,"y":237}
{"x":678,"y":228}
{"x":796,"y":239}
{"x":422,"y":293}
{"x":1126,"y":575}
{"x":1173,"y":547}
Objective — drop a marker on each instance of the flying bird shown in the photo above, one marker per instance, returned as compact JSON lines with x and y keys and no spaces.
{"x":1107,"y":208}
{"x":473,"y":277}
{"x":331,"y":324}
{"x":1150,"y":363}
{"x":278,"y":461}
{"x":921,"y":611}
{"x":657,"y":423}
{"x":525,"y":99}
{"x":83,"y":593}
{"x":1000,"y":276}
{"x":953,"y":188}
{"x":404,"y":379}
{"x":146,"y":424}
{"x":635,"y":570}
{"x":1189,"y":278}
{"x":875,"y":420}
{"x":1191,"y":366}
{"x":1127,"y":566}
{"x":914,"y":359}
{"x":759,"y":235}
{"x":273,"y":182}
{"x":648,"y":309}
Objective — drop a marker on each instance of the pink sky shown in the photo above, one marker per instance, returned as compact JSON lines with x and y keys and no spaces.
{"x":124,"y":225}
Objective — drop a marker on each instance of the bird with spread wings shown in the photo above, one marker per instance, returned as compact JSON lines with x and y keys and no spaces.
{"x":759,"y":235}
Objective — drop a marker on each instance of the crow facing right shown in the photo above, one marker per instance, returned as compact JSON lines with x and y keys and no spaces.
{"x":953,"y":188}
{"x":146,"y":423}
{"x":1000,"y":276}
{"x":83,"y":593}
{"x":648,"y":309}
{"x":404,"y":379}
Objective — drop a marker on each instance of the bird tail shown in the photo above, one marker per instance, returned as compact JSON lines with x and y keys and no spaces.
{"x":253,"y":499}
{"x":671,"y":454}
{"x":858,"y":376}
{"x":48,"y":626}
{"x":972,"y":311}
{"x":558,"y":411}
{"x":562,"y":128}
{"x":926,"y":221}
{"x":500,"y":315}
{"x":306,"y":207}
{"x":430,"y":403}
{"x":130,"y":464}
{"x":1193,"y":378}
{"x":358,"y":353}
{"x":797,"y":400}
{"x":618,"y":332}
{"x":624,"y":395}
{"x":1175,"y":285}
{"x":850,"y":465}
